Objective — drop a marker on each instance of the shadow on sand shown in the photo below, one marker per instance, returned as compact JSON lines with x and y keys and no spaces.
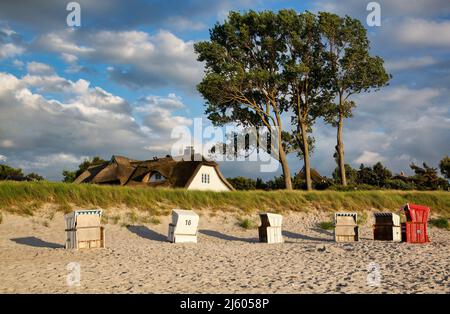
{"x":292,"y":235}
{"x":36,"y":242}
{"x":227,"y":237}
{"x":146,"y":233}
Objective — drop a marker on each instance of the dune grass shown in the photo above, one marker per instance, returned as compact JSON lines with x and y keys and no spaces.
{"x":440,"y":223}
{"x":326,"y":225}
{"x":25,"y":198}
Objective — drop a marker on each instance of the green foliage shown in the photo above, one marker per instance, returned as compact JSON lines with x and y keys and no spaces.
{"x":376,"y":176}
{"x":427,"y":178}
{"x":34,"y":177}
{"x":6,"y":171}
{"x":440,"y":223}
{"x":444,"y":166}
{"x":352,"y":70}
{"x":242,"y":183}
{"x":277,"y":183}
{"x":351,"y":173}
{"x":326,"y":225}
{"x":70,"y":176}
{"x":245,"y":223}
{"x":397,"y":184}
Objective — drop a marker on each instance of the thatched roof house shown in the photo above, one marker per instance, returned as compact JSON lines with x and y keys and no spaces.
{"x":190,"y":171}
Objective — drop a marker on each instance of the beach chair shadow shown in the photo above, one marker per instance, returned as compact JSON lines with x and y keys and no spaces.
{"x":322,"y":231}
{"x":36,"y":242}
{"x":227,"y":237}
{"x":146,"y":233}
{"x":293,"y":235}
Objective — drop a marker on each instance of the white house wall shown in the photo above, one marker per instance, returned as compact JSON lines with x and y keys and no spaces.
{"x":215,"y":184}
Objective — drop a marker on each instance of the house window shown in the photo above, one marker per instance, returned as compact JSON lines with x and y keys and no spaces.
{"x":157,"y":177}
{"x":205,"y":178}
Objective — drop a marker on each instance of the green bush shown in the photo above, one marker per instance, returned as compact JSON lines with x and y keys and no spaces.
{"x":245,"y":223}
{"x":440,"y":223}
{"x":397,"y":184}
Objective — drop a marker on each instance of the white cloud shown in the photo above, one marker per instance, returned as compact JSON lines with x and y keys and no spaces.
{"x":6,"y":144}
{"x":421,"y":32}
{"x":44,"y":134}
{"x":182,"y":24}
{"x":368,"y":158}
{"x":39,"y":68}
{"x":134,"y":58}
{"x":8,"y":50}
{"x":69,"y":58}
{"x":410,"y":63}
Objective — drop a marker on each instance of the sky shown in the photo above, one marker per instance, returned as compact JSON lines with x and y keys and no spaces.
{"x":122,"y":81}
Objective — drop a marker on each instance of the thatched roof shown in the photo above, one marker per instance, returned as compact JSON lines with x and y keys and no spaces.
{"x":315,"y":175}
{"x":124,"y":171}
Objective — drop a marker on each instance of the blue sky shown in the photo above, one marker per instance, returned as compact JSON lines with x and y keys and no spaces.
{"x":122,"y":81}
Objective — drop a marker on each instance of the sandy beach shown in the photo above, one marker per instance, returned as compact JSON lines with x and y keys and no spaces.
{"x":226,"y":259}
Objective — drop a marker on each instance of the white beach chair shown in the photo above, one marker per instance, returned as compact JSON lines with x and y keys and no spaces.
{"x":346,"y":227}
{"x":84,"y":230}
{"x":183,"y":227}
{"x":270,"y":229}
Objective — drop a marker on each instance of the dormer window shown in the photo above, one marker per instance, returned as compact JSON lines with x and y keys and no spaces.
{"x":205,"y":178}
{"x":157,"y":177}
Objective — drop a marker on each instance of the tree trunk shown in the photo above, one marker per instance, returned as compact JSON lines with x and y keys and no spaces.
{"x":282,"y":155}
{"x":285,"y":167}
{"x":306,"y":156}
{"x":340,"y":150}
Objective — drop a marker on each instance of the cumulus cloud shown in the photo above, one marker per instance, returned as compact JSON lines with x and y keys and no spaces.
{"x":39,"y":68}
{"x":368,"y":158}
{"x":10,"y":43}
{"x":48,"y":134}
{"x":410,"y":63}
{"x":421,"y":32}
{"x":135,"y":58}
{"x":46,"y":15}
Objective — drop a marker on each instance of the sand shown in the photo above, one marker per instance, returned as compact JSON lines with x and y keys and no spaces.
{"x":226,"y":259}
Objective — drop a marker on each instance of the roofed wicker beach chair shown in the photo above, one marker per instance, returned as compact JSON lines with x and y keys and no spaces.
{"x":346,"y":227}
{"x":183,"y":227}
{"x":84,"y":230}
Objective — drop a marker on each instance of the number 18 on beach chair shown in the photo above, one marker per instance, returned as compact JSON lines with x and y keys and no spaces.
{"x":183,"y":227}
{"x":270,"y":229}
{"x":346,"y":227}
{"x":84,"y":230}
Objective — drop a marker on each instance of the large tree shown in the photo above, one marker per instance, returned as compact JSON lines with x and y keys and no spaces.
{"x":353,"y":70}
{"x":243,"y":80}
{"x":305,"y":76}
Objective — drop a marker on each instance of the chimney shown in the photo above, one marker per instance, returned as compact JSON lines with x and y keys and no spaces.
{"x":188,"y":153}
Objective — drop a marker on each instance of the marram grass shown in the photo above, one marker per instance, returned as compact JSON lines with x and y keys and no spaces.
{"x":25,"y":198}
